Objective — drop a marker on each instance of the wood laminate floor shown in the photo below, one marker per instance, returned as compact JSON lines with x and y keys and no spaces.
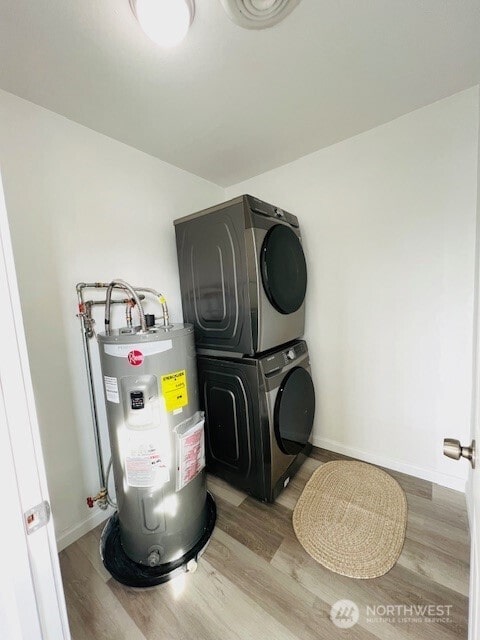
{"x":255,"y":581}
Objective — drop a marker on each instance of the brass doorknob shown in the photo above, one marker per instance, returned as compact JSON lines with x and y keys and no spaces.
{"x":453,"y":449}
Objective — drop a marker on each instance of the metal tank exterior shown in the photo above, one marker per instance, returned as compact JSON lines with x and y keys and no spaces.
{"x":156,"y":439}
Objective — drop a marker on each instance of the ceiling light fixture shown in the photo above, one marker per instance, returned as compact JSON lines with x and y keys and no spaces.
{"x":166,"y":22}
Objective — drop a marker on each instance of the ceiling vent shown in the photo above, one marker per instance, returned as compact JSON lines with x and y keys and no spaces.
{"x":258,"y":14}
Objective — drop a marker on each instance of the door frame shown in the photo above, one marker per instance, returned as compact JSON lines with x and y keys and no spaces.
{"x":31,"y":590}
{"x":473,"y":484}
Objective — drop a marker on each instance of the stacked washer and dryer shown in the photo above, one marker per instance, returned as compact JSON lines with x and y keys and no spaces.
{"x":243,"y":280}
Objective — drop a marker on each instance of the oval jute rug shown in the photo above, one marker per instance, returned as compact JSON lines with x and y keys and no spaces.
{"x":351,"y":518}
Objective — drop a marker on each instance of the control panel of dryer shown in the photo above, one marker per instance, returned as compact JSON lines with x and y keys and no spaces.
{"x":270,"y":210}
{"x":280,"y":359}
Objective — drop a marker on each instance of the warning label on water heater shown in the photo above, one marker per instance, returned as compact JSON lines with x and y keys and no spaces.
{"x":174,"y":390}
{"x":111,"y":389}
{"x":190,"y":452}
{"x":145,"y":466}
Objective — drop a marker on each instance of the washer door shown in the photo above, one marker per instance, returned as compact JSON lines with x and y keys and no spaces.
{"x":294,"y":411}
{"x":284,"y":270}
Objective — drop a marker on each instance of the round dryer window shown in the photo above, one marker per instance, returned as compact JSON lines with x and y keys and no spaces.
{"x":294,"y":411}
{"x":284,"y":270}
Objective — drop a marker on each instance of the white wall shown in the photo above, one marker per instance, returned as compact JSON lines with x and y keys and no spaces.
{"x":82,"y":207}
{"x":388,"y":221}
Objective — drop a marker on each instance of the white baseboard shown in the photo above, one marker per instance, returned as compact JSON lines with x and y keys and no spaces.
{"x":71,"y":535}
{"x":452,"y":482}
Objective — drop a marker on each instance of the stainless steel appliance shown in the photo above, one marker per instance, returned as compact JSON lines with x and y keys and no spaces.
{"x":259,"y":416}
{"x":164,"y":516}
{"x":243,"y":276}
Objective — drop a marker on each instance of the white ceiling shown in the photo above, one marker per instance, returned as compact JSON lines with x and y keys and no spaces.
{"x":230,"y":103}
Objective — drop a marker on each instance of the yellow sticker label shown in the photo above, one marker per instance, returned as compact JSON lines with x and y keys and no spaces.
{"x":174,"y":390}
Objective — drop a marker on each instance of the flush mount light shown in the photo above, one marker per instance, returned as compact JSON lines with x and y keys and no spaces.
{"x":258,"y":14}
{"x":166,"y":22}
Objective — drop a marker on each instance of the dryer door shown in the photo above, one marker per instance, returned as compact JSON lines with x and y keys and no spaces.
{"x":294,"y":411}
{"x":284,"y":270}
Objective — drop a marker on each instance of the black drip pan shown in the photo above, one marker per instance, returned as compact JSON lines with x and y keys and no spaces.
{"x":132,"y":574}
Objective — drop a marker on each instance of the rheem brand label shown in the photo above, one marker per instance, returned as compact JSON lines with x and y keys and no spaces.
{"x":135,"y":358}
{"x":147,"y":348}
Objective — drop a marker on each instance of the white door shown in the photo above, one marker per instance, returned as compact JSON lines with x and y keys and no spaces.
{"x":32,"y":605}
{"x":474,"y":496}
{"x":473,"y":486}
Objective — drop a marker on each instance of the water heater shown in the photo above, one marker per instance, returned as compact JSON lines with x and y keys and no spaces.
{"x":164,"y":515}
